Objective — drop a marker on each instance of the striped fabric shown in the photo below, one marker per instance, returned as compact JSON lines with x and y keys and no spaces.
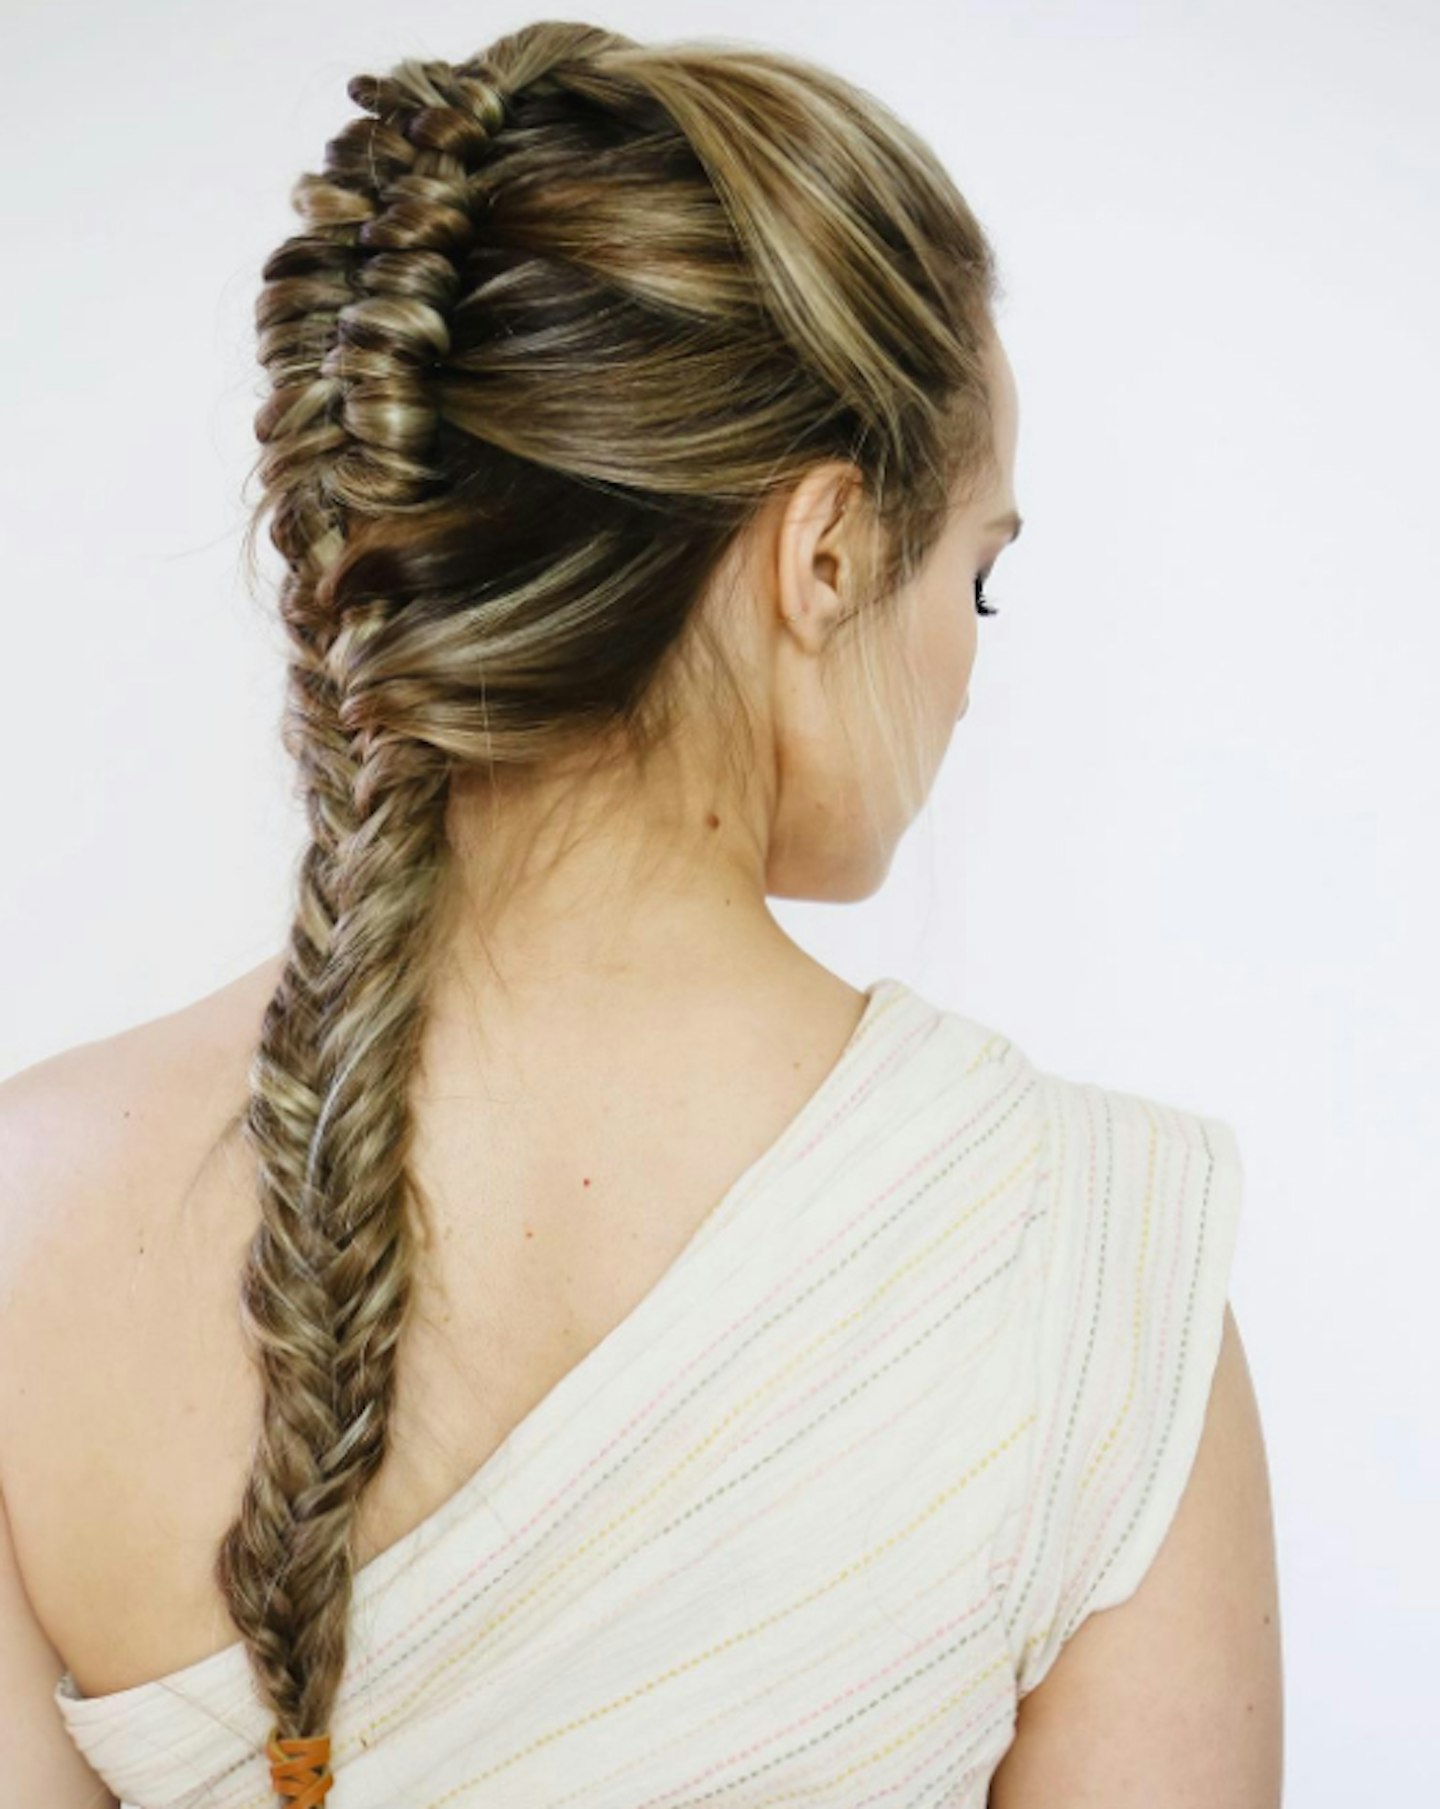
{"x":921,"y":1394}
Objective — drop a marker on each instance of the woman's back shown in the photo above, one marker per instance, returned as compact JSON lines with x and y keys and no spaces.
{"x":560,"y":1201}
{"x":797,"y":1491}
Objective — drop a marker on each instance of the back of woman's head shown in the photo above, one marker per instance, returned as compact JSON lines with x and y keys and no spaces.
{"x":561,"y":319}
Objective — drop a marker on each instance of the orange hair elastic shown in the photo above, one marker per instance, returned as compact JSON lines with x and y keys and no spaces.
{"x":300,"y":1768}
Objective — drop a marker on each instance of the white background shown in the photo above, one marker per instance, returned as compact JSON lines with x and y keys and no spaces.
{"x":1184,"y":841}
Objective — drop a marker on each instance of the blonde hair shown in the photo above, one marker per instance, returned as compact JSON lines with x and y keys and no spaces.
{"x":560,"y":319}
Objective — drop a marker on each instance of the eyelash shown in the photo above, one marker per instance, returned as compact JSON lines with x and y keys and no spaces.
{"x":982,"y":607}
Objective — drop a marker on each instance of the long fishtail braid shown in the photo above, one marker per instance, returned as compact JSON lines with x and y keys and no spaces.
{"x":353,"y":315}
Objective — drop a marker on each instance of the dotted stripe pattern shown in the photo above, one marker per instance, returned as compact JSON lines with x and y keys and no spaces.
{"x":919,"y":1395}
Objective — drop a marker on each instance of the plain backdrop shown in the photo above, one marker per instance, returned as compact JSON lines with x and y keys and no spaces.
{"x":1184,"y":841}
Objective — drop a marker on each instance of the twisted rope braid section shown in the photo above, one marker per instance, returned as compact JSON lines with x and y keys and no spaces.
{"x":396,"y":186}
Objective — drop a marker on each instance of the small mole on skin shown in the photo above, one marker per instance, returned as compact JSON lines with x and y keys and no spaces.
{"x":712,"y":820}
{"x":587,"y":1180}
{"x":529,"y":1232}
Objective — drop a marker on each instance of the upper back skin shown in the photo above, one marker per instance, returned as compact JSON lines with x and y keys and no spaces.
{"x":128,"y":1403}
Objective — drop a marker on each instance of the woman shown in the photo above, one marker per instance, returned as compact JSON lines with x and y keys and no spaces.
{"x":660,"y":1370}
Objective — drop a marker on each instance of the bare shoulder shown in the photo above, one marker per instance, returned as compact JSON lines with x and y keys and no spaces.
{"x":1174,"y":1697}
{"x":86,"y":1134}
{"x":101,"y":1145}
{"x":97,"y":1145}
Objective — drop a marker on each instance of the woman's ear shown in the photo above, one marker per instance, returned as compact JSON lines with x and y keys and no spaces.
{"x":814,"y":557}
